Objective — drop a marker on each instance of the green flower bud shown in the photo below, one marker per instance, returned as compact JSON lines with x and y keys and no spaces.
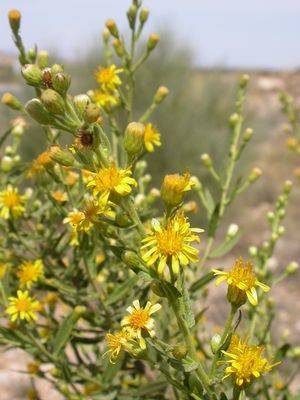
{"x":254,"y":175}
{"x":42,"y":59}
{"x":232,"y":230}
{"x":236,"y":296}
{"x":134,"y":138}
{"x":248,"y":135}
{"x":161,"y":94}
{"x":234,"y":119}
{"x":152,"y":42}
{"x":61,"y":82}
{"x":56,"y":68}
{"x":32,"y":54}
{"x":122,"y":220}
{"x":206,"y":160}
{"x":53,"y":102}
{"x":32,"y":74}
{"x":11,"y":101}
{"x":47,"y":77}
{"x":292,"y":268}
{"x":81,"y":101}
{"x":14,"y":17}
{"x":287,"y":187}
{"x":112,"y":27}
{"x":62,"y":157}
{"x":179,"y":351}
{"x":105,"y":35}
{"x":144,"y":14}
{"x":7,"y":163}
{"x":17,"y":131}
{"x":244,"y":80}
{"x":131,"y":15}
{"x":215,"y":343}
{"x":119,"y":48}
{"x":131,"y":258}
{"x":35,"y":109}
{"x":91,"y":113}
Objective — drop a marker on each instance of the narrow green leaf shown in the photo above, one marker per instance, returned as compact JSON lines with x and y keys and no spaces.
{"x":213,"y":222}
{"x":121,"y":291}
{"x":203,"y":281}
{"x":210,"y":203}
{"x":64,"y":332}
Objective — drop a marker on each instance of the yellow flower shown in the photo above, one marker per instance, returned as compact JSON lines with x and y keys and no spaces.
{"x":139,"y":320}
{"x":59,"y":196}
{"x":22,"y":307}
{"x":246,"y":362}
{"x":92,"y":210}
{"x":174,"y":187}
{"x":40,"y":164}
{"x":241,"y":282}
{"x":11,"y":203}
{"x":74,"y":218}
{"x":111,"y":180}
{"x":29,"y":272}
{"x":108,"y":77}
{"x":116,"y":342}
{"x":151,"y":138}
{"x":86,"y":175}
{"x":171,"y":244}
{"x":107,"y":100}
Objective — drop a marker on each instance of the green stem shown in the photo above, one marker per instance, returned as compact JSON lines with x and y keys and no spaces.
{"x":129,"y":207}
{"x":236,"y":393}
{"x":148,"y":113}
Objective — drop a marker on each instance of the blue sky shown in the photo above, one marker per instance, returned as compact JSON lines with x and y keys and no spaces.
{"x":232,"y":33}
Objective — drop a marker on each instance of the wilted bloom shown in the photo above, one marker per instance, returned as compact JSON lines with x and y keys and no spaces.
{"x":11,"y":203}
{"x":71,"y":178}
{"x":29,"y":272}
{"x":174,"y":187}
{"x":151,"y":138}
{"x":22,"y":307}
{"x":246,"y":362}
{"x":40,"y":164}
{"x":116,"y":342}
{"x":111,"y":180}
{"x":241,"y":283}
{"x":139,"y":320}
{"x":108,"y":78}
{"x":171,"y":244}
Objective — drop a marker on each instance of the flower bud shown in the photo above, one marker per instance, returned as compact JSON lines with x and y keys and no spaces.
{"x":179,"y":351}
{"x":292,"y":143}
{"x":281,"y":230}
{"x":161,"y":94}
{"x":16,"y":159}
{"x":17,"y":131}
{"x":236,"y":296}
{"x":248,"y":135}
{"x":14,"y":17}
{"x":105,"y":35}
{"x":234,"y":119}
{"x":206,"y":160}
{"x":112,"y":27}
{"x":122,"y":220}
{"x":53,"y":102}
{"x":91,"y":113}
{"x":42,"y":59}
{"x":287,"y":187}
{"x":174,"y":187}
{"x":11,"y":101}
{"x":9,"y":151}
{"x":61,"y":82}
{"x":131,"y":258}
{"x":134,"y":138}
{"x":47,"y":77}
{"x":32,"y":74}
{"x":36,"y":110}
{"x":6,"y":163}
{"x":292,"y":268}
{"x":152,"y":42}
{"x":81,"y":101}
{"x":131,"y":15}
{"x":56,"y":68}
{"x":215,"y":343}
{"x":270,"y":216}
{"x":232,"y":230}
{"x":119,"y":48}
{"x":254,"y":175}
{"x":244,"y":80}
{"x":31,"y":54}
{"x":79,"y":310}
{"x":196,"y":183}
{"x":62,"y":157}
{"x":144,"y":14}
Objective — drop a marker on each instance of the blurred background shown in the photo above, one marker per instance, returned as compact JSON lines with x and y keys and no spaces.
{"x":205,"y":47}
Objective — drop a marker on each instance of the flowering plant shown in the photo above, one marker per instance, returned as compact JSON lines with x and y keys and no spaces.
{"x":106,"y":293}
